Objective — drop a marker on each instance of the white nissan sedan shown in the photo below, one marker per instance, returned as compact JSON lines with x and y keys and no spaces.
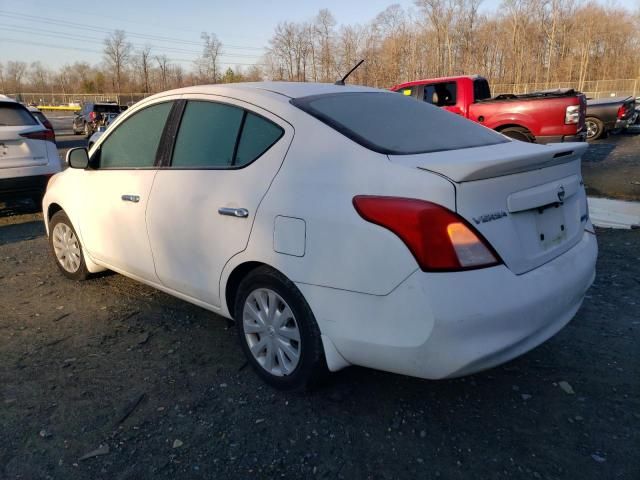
{"x":337,"y":225}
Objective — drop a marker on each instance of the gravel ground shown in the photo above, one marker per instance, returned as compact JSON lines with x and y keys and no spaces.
{"x":611,"y":166}
{"x":110,"y":379}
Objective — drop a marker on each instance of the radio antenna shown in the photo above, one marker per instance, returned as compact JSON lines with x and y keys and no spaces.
{"x":341,"y":81}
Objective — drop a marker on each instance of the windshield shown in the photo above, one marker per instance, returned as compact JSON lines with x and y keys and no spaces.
{"x":395,"y":124}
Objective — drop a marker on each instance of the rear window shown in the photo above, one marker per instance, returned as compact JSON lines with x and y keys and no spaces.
{"x":15,"y":115}
{"x":106,"y":108}
{"x":481,"y":90}
{"x":396,"y":125}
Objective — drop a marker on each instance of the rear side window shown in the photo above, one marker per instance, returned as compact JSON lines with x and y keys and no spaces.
{"x":15,"y":115}
{"x":443,"y":94}
{"x":396,"y":125}
{"x":258,"y":134}
{"x":135,"y":142}
{"x":217,"y":135}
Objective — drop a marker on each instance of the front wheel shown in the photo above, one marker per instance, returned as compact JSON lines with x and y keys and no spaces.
{"x":65,"y":247}
{"x":595,"y":128}
{"x":278,"y":332}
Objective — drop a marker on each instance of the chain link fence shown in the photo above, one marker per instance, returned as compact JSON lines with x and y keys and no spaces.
{"x":76,"y":99}
{"x":591,"y":88}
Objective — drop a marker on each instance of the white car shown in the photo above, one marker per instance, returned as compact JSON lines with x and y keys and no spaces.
{"x":337,"y":225}
{"x":28,"y":154}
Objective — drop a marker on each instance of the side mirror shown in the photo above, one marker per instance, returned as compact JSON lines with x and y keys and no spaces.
{"x":78,"y":158}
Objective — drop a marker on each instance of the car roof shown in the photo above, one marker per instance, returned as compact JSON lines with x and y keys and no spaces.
{"x":284,"y":89}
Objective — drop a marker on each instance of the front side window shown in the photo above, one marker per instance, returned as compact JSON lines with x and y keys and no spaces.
{"x":207,"y":136}
{"x":217,"y":135}
{"x":407,"y":91}
{"x":135,"y":142}
{"x":441,"y":94}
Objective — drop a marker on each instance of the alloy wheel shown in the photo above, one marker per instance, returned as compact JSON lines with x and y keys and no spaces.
{"x":592,"y":128}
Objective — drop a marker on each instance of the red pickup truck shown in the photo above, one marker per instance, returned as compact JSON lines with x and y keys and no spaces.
{"x":543,"y":117}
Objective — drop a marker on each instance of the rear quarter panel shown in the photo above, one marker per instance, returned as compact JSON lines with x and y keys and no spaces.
{"x":321,"y":174}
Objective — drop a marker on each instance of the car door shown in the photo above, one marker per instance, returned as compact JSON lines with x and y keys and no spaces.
{"x":203,"y":205}
{"x":116,"y":192}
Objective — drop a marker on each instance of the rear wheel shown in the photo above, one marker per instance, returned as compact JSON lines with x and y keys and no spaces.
{"x":65,"y":247}
{"x":595,"y":128}
{"x":278,"y":332}
{"x":518,"y":133}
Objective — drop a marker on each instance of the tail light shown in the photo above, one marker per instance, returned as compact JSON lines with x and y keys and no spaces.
{"x":46,"y":135}
{"x":622,"y":111}
{"x":572,"y":114}
{"x":92,"y":116}
{"x":439,"y":239}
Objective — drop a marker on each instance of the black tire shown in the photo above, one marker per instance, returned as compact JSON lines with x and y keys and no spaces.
{"x":595,"y":128}
{"x":311,"y":367}
{"x":518,"y":133}
{"x":81,"y":273}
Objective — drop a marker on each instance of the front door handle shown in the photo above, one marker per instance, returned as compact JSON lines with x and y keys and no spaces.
{"x":130,"y":198}
{"x":234,"y":212}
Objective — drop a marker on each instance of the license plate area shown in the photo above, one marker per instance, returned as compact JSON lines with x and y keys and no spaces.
{"x":551,"y":226}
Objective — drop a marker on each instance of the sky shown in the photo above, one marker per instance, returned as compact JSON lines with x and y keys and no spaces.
{"x":56,"y":32}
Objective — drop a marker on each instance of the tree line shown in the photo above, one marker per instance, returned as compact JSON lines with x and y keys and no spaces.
{"x":521,"y":41}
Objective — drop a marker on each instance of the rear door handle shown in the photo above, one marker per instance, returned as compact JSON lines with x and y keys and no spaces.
{"x":130,"y":198}
{"x":234,"y":212}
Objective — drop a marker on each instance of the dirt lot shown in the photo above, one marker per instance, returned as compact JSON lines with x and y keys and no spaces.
{"x":151,"y":386}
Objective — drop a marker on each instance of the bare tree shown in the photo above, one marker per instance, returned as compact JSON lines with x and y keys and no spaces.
{"x":39,"y":76}
{"x":2,"y":80}
{"x":163,"y":65}
{"x":142,"y":61}
{"x":15,"y":74}
{"x":117,"y":53}
{"x":208,"y":63}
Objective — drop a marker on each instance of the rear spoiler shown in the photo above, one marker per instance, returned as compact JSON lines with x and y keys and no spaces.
{"x":467,"y":165}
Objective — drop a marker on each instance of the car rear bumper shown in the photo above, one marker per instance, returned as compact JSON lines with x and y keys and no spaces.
{"x":622,"y":123}
{"x":579,"y":137}
{"x":439,"y":325}
{"x":24,"y":186}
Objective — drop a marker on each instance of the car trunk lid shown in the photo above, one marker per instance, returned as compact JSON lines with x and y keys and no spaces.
{"x":527,"y":200}
{"x":19,"y":151}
